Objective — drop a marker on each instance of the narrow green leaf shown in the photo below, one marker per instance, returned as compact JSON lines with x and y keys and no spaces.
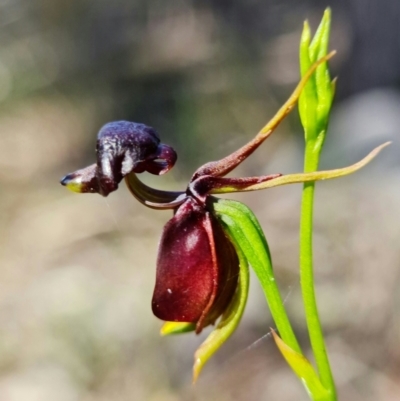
{"x":303,"y":369}
{"x":231,"y":317}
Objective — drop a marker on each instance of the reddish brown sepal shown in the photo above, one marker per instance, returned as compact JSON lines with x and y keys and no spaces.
{"x":197,"y":268}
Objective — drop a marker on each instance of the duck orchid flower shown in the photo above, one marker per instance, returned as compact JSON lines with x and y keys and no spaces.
{"x":202,"y":265}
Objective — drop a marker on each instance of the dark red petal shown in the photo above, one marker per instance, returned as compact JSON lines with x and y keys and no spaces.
{"x":187,"y":273}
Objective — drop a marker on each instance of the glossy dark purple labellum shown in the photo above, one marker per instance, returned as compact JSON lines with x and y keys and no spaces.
{"x":122,"y":147}
{"x":197,"y":268}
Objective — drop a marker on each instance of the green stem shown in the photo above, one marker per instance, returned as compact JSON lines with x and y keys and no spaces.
{"x":276,"y":306}
{"x":311,"y":162}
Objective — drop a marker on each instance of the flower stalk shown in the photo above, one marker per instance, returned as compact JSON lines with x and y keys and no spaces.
{"x":314,"y":108}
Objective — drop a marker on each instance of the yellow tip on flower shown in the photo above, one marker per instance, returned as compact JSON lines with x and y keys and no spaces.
{"x":74,"y":184}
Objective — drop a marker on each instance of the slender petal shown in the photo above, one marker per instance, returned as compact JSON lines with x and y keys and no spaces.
{"x":307,"y":177}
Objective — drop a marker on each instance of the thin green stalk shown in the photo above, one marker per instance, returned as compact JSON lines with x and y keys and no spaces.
{"x":307,"y":276}
{"x":277,"y":308}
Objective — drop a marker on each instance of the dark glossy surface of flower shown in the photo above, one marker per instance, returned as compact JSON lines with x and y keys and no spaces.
{"x":197,"y":268}
{"x":122,"y":147}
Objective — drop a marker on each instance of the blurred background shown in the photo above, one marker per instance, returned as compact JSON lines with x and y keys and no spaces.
{"x":77,"y":271}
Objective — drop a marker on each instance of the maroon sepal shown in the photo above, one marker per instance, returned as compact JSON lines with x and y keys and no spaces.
{"x":197,"y":268}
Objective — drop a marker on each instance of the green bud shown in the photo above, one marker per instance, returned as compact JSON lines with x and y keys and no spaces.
{"x":316,"y":99}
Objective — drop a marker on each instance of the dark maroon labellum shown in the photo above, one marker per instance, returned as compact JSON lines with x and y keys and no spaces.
{"x":122,"y":147}
{"x":197,"y":268}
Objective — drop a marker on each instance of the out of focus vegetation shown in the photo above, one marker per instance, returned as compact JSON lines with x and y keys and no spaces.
{"x":77,"y":272}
